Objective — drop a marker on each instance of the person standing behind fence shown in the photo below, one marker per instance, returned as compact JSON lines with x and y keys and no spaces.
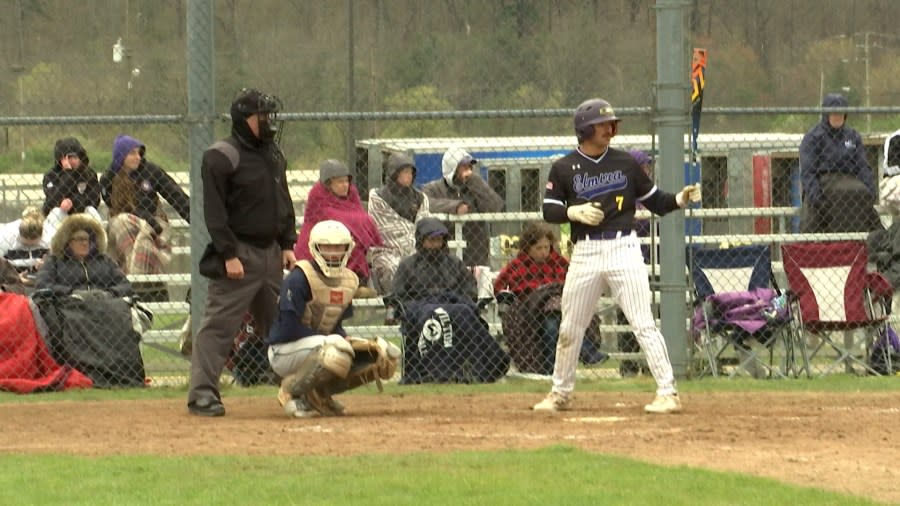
{"x":138,"y":227}
{"x":71,"y":186}
{"x":250,"y":218}
{"x":461,"y":191}
{"x":596,"y":188}
{"x":839,"y":189}
{"x":395,"y":207}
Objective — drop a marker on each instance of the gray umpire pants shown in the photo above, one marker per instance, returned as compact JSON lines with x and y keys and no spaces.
{"x":226,"y":302}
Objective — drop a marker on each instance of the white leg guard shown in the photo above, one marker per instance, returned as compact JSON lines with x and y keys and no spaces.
{"x":319,"y":369}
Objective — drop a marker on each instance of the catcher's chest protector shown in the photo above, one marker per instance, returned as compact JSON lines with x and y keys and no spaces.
{"x":330,"y":297}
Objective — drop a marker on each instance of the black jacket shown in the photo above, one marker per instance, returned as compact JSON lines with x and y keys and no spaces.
{"x":245,"y":195}
{"x":428,"y":274}
{"x":64,"y":274}
{"x":79,"y":185}
{"x":152,"y":182}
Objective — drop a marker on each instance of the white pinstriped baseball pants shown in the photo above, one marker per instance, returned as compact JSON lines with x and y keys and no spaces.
{"x":616,"y":264}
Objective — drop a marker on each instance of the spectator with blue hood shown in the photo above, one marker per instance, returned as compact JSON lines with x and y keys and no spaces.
{"x":839,"y":188}
{"x":138,"y":226}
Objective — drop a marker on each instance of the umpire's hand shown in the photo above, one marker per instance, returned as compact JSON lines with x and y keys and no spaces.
{"x":288,"y":259}
{"x":585,"y":213}
{"x":234,"y":269}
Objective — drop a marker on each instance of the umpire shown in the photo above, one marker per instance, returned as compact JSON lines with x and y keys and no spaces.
{"x":250,"y":218}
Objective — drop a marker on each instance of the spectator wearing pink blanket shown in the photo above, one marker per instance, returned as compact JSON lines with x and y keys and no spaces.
{"x":334,"y":197}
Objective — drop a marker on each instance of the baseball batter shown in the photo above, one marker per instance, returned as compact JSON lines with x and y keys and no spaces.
{"x":596,"y":188}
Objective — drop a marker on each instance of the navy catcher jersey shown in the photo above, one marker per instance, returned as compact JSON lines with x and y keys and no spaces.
{"x":614,"y":180}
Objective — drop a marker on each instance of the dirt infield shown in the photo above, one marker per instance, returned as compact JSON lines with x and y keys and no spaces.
{"x":840,"y":442}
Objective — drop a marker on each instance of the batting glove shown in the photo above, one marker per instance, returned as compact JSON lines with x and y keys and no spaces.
{"x":690,"y":193}
{"x":585,"y":213}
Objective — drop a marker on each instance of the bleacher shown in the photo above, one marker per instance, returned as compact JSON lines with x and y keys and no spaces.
{"x":170,"y":314}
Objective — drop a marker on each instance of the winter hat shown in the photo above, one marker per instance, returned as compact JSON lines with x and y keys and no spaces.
{"x":121,"y":147}
{"x":430,"y":227}
{"x":398,"y":161}
{"x":640,"y":157}
{"x":332,"y":168}
{"x":834,"y":100}
{"x":68,"y":145}
{"x":453,"y":158}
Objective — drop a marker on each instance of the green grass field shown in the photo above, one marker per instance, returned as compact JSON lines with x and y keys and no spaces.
{"x":552,"y":475}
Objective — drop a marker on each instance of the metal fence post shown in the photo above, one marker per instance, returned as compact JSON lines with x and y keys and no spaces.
{"x":201,"y":115}
{"x":672,"y":124}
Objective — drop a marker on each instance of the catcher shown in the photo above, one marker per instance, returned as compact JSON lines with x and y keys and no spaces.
{"x":308,"y":346}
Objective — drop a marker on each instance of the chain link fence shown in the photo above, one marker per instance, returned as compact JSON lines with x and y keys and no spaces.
{"x":767,"y":184}
{"x":753,"y":195}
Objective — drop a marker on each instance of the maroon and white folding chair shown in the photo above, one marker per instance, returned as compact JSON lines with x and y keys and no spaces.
{"x":836,"y":295}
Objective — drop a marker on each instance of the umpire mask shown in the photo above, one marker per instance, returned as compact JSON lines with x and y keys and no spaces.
{"x":251,"y":101}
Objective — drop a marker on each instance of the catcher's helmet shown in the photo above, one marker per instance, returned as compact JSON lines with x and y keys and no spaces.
{"x":330,"y":232}
{"x":591,"y":112}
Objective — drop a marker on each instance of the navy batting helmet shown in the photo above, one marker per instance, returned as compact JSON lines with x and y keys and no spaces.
{"x":589,"y":113}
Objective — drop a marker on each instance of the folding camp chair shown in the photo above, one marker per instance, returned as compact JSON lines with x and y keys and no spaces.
{"x":834,"y":292}
{"x":733,"y":306}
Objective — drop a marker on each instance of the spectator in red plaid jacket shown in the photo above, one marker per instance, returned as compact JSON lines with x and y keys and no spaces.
{"x":531,"y":326}
{"x":536,"y":265}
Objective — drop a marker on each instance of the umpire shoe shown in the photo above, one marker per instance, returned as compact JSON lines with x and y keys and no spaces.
{"x":207,"y":406}
{"x":554,"y":401}
{"x":664,"y":404}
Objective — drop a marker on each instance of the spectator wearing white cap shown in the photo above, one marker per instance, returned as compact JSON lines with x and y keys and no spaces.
{"x":462,"y":191}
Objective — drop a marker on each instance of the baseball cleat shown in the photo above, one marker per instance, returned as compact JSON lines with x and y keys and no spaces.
{"x":663,"y":404}
{"x":554,"y":401}
{"x":295,"y":407}
{"x":326,"y":404}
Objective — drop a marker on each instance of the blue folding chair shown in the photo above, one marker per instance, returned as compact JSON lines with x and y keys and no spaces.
{"x":735,"y":303}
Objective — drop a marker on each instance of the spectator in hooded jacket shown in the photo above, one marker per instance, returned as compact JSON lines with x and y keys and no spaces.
{"x":432,"y":271}
{"x":461,"y":191}
{"x":839,"y":188}
{"x":71,"y":185}
{"x":445,"y":339}
{"x":138,"y":227}
{"x":77,"y":262}
{"x":395,"y":207}
{"x":335,"y":197}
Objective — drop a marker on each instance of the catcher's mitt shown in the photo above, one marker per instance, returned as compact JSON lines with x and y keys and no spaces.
{"x":374,"y":360}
